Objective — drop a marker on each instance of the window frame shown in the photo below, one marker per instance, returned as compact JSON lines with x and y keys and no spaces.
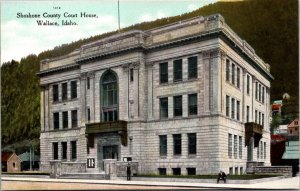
{"x":177,"y":105}
{"x":74,"y":119}
{"x":177,"y":70}
{"x":55,"y":93}
{"x":73,"y":150}
{"x":65,"y":119}
{"x":163,"y":145}
{"x":163,"y":102}
{"x":192,"y":109}
{"x":74,"y":89}
{"x":55,"y":150}
{"x":193,"y":67}
{"x":192,"y":143}
{"x":177,"y":144}
{"x":64,"y":150}
{"x":163,"y":75}
{"x":56,"y":120}
{"x":64,"y":91}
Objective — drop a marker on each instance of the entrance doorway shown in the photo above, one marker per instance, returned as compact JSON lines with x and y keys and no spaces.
{"x":110,"y":152}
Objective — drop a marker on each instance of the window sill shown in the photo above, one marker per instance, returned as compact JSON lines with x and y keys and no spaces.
{"x":163,"y":157}
{"x":192,"y":155}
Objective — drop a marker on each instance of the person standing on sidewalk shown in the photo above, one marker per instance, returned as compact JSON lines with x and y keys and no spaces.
{"x":128,"y":172}
{"x":222,"y":176}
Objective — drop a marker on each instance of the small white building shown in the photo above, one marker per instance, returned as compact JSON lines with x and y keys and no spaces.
{"x":190,"y":97}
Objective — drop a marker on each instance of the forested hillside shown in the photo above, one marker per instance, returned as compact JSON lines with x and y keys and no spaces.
{"x":269,"y":26}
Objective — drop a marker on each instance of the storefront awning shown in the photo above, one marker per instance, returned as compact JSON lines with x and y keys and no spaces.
{"x":253,"y":130}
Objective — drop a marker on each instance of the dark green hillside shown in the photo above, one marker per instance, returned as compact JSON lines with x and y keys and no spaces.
{"x":269,"y":26}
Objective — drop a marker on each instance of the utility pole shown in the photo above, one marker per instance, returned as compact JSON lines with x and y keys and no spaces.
{"x":30,"y":158}
{"x":119,"y":14}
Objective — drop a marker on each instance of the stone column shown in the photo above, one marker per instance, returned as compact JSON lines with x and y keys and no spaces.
{"x":83,"y":97}
{"x":42,"y":104}
{"x":91,"y":75}
{"x":244,"y":78}
{"x":206,"y":82}
{"x":47,"y":108}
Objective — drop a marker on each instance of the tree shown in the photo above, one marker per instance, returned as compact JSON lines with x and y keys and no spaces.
{"x":275,"y":123}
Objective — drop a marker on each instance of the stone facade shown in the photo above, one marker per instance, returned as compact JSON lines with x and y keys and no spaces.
{"x":134,"y":57}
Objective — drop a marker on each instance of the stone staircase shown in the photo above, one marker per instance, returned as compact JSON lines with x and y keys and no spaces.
{"x":97,"y":176}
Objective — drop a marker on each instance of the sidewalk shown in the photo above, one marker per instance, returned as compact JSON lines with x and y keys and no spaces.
{"x":286,"y":183}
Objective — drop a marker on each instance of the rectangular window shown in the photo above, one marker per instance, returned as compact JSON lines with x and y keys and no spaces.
{"x":163,"y":102}
{"x":73,"y":150}
{"x":177,"y":144}
{"x":55,"y":151}
{"x":88,"y":83}
{"x":256,"y":90}
{"x":162,"y":171}
{"x":229,"y":145}
{"x":238,"y":73}
{"x":265,"y":150}
{"x":64,"y":91}
{"x":238,"y":110}
{"x":227,"y":105}
{"x":177,"y":67}
{"x":56,"y":120}
{"x":232,"y":108}
{"x":248,"y":84}
{"x":258,"y":150}
{"x":64,"y":150}
{"x":177,"y":105}
{"x":263,"y":95}
{"x":65,"y":119}
{"x":163,"y":72}
{"x":261,"y":150}
{"x":236,"y":170}
{"x":55,"y":92}
{"x":232,"y":73}
{"x":240,"y":147}
{"x":259,"y":118}
{"x":176,"y":171}
{"x":259,"y":92}
{"x":131,"y":74}
{"x":74,"y":118}
{"x":73,"y":89}
{"x":163,"y":145}
{"x":193,"y":104}
{"x":263,"y":119}
{"x":192,"y":143}
{"x":247,"y":113}
{"x":235,"y":147}
{"x":227,"y":70}
{"x":192,"y":67}
{"x":255,"y":116}
{"x":241,"y":170}
{"x":88,"y":114}
{"x":191,"y":171}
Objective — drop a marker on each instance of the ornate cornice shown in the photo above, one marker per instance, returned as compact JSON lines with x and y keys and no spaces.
{"x":59,"y":69}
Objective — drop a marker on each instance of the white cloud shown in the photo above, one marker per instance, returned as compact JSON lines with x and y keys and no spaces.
{"x":151,"y":17}
{"x":192,"y":7}
{"x":20,"y":39}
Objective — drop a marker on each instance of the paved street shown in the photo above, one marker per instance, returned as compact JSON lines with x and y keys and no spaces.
{"x":23,"y":185}
{"x":20,"y":183}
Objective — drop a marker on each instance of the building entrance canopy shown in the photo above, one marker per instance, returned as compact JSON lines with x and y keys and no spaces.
{"x":107,"y":127}
{"x":253,"y":130}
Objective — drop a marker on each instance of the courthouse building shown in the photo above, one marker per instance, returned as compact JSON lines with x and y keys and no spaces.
{"x":190,"y":97}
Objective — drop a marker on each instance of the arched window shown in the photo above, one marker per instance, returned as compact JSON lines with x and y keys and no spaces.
{"x":109,"y":95}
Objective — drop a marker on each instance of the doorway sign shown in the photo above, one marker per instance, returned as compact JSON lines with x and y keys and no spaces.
{"x":90,"y":163}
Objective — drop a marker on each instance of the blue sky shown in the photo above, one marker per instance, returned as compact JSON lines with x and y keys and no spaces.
{"x":22,"y":36}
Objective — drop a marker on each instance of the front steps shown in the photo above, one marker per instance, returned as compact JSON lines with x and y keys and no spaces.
{"x":95,"y":176}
